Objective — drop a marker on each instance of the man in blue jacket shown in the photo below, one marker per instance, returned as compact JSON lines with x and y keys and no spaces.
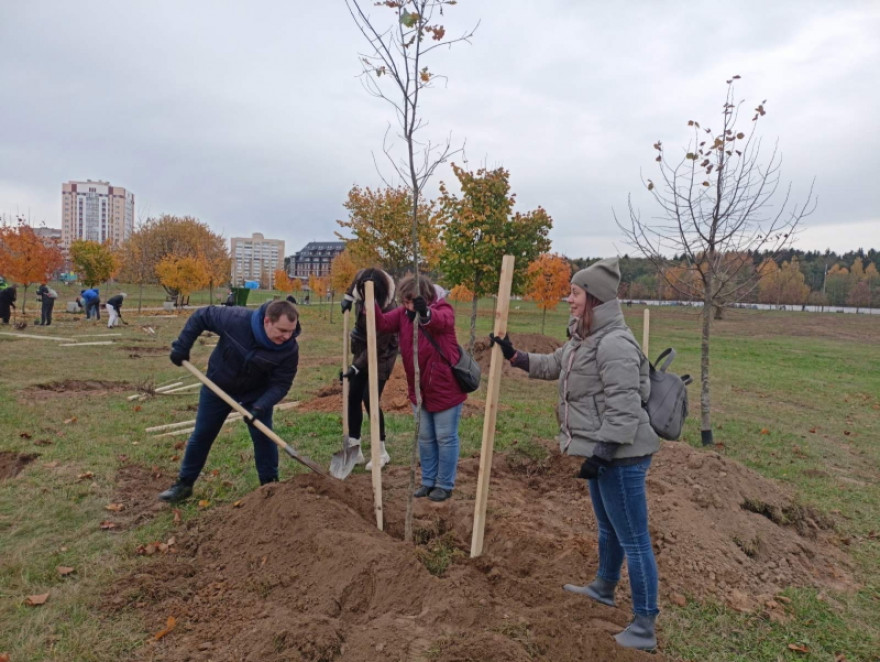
{"x":254,"y":362}
{"x":91,"y":301}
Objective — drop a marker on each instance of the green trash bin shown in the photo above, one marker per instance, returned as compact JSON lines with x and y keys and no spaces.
{"x":241,"y":295}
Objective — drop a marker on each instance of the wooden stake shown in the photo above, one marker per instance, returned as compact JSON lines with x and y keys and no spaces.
{"x":188,"y":387}
{"x":646,"y":333}
{"x":501,"y":309}
{"x":373,"y":379}
{"x":232,"y":417}
{"x":28,"y":335}
{"x":162,"y":389}
{"x":83,"y":344}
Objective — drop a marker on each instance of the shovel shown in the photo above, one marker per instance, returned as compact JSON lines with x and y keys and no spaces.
{"x":283,"y":445}
{"x":343,"y":462}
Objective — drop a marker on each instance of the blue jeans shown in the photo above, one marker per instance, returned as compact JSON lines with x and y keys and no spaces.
{"x":621,"y":507}
{"x":209,"y":419}
{"x":438,"y":446}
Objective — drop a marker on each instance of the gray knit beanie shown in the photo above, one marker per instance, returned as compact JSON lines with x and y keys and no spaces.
{"x":600,"y":279}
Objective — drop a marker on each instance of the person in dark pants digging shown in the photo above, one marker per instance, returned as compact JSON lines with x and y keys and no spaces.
{"x":47,"y":298}
{"x":386,"y":349}
{"x":254,"y":362}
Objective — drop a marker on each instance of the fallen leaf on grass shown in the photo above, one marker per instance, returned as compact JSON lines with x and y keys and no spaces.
{"x":204,"y":503}
{"x":798,"y":648}
{"x":838,"y":657}
{"x":114,"y":507}
{"x":85,"y":476}
{"x":137,"y":407}
{"x":170,"y":624}
{"x":847,"y":433}
{"x":215,"y":472}
{"x":64,"y":570}
{"x":107,"y":525}
{"x":175,"y":458}
{"x":36,"y":600}
{"x":68,"y":421}
{"x":237,"y":504}
{"x":24,"y":435}
{"x":176,"y":516}
{"x":4,"y":657}
{"x":179,"y":446}
{"x":42,"y":442}
{"x":765,"y":431}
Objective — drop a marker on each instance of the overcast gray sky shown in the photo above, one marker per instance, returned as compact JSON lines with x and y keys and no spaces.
{"x":250,"y":115}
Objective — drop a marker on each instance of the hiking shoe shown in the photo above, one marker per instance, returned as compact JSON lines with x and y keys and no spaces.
{"x":177,"y":492}
{"x":439,"y":494}
{"x":423,"y":491}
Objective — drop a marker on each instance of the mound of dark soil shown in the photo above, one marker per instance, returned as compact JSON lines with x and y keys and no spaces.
{"x":11,"y":463}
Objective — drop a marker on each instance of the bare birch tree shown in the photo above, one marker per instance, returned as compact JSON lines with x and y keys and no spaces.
{"x":719,"y":200}
{"x":397,"y":56}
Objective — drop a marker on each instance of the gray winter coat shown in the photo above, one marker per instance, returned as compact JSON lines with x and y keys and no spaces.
{"x":603,"y":381}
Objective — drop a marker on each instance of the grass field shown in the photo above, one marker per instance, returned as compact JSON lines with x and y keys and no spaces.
{"x":796,"y":397}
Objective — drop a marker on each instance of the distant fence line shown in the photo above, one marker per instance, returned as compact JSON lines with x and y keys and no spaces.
{"x":763,"y":306}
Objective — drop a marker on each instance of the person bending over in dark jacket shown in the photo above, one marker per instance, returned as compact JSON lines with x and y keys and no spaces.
{"x":386,"y":349}
{"x":442,"y":397}
{"x":603,"y":381}
{"x":7,"y":302}
{"x":254,"y":362}
{"x":114,"y":309}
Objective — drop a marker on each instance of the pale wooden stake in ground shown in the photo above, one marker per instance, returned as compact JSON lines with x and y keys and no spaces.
{"x":373,"y":379}
{"x":501,"y":309}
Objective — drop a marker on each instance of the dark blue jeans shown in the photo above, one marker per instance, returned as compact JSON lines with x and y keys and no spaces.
{"x":209,"y":419}
{"x":621,"y":507}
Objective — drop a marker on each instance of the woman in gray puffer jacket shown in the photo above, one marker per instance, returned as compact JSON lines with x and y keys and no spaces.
{"x":603,"y":381}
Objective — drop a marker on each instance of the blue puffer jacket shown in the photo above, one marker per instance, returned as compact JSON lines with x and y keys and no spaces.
{"x":246,"y":364}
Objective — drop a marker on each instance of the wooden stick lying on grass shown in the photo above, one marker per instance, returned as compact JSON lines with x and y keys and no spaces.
{"x":83,"y":344}
{"x":283,"y":406}
{"x":188,"y":387}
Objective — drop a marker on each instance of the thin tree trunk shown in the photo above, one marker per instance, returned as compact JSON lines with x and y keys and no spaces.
{"x":473,"y":336}
{"x":543,"y":319}
{"x":705,"y":403}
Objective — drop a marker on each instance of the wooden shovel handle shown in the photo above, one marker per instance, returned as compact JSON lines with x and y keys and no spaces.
{"x":283,"y":445}
{"x":346,"y":351}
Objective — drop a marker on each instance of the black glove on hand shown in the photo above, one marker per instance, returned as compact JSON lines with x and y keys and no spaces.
{"x":421,"y":307}
{"x":507,"y":349}
{"x":593,"y":467}
{"x":252,"y":416}
{"x":348,"y":374}
{"x":345,"y":304}
{"x":178,"y":356}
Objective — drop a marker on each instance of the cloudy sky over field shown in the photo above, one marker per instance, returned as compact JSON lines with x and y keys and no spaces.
{"x":251,"y":117}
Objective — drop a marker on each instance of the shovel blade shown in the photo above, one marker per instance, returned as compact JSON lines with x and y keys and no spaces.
{"x":343,"y":462}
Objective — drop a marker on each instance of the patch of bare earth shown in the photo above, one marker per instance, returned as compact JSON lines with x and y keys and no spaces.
{"x":75,"y":388}
{"x":299,"y":571}
{"x":11,"y":464}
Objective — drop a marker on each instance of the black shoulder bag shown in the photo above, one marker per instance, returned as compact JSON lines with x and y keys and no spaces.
{"x":466,"y":371}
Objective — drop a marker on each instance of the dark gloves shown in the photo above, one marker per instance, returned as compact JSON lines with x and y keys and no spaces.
{"x":348,"y":374}
{"x":504,"y":343}
{"x":421,"y":307}
{"x":346,"y":303}
{"x":254,"y":414}
{"x":178,"y":356}
{"x":593,"y":467}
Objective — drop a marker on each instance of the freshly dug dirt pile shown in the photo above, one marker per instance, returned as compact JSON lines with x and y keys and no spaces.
{"x":299,"y":571}
{"x":75,"y":387}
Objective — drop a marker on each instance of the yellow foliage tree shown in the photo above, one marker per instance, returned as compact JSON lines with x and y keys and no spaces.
{"x":343,"y":269}
{"x":548,"y":279}
{"x":460,"y":293}
{"x":183,"y":275}
{"x":283,"y":282}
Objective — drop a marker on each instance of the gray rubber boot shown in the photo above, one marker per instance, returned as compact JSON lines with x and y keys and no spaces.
{"x":639,"y":634}
{"x":600,"y":590}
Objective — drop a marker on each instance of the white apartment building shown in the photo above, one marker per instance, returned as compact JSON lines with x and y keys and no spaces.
{"x":95,"y":211}
{"x":256,"y":258}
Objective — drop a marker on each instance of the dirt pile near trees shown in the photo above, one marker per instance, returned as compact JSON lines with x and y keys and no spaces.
{"x":299,"y":571}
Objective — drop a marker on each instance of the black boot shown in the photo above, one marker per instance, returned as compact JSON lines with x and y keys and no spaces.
{"x":639,"y":634}
{"x":600,"y":590}
{"x":177,"y":492}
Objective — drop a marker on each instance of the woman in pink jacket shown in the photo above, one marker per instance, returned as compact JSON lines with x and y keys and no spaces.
{"x":442,"y":398}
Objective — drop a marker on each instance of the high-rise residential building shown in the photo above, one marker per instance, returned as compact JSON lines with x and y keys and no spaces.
{"x":96,"y":211}
{"x":256,"y":258}
{"x":313,"y":260}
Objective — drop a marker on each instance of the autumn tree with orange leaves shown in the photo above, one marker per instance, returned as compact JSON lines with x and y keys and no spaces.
{"x":343,"y":269}
{"x":94,"y":262}
{"x":25,"y":258}
{"x":283,"y":282}
{"x":548,"y":280}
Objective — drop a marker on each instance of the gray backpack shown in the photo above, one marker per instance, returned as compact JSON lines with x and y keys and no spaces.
{"x":667,"y":406}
